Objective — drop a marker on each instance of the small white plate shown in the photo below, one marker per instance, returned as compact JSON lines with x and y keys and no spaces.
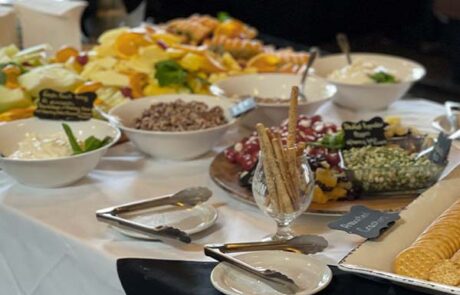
{"x":190,"y":220}
{"x":310,"y":274}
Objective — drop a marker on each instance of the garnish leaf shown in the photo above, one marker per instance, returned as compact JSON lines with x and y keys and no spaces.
{"x":90,"y":144}
{"x":382,"y":77}
{"x":169,"y":72}
{"x":223,"y":16}
{"x":72,"y":140}
{"x":331,"y":141}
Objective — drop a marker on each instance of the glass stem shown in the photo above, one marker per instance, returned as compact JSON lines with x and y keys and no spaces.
{"x":283,"y":232}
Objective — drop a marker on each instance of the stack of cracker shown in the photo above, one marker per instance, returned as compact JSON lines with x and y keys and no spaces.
{"x":281,"y":162}
{"x":435,"y":255}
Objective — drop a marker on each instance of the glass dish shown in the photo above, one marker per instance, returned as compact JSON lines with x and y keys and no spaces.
{"x":397,"y":179}
{"x":284,"y":210}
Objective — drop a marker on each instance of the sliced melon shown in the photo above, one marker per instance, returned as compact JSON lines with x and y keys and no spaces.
{"x":13,"y":99}
{"x":54,"y":76}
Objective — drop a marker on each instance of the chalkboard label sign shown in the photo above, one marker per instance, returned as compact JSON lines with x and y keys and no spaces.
{"x":362,"y":133}
{"x":68,"y":106}
{"x":365,"y":222}
{"x":441,"y":149}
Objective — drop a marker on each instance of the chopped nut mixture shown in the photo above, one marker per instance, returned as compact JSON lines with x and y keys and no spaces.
{"x":180,"y":116}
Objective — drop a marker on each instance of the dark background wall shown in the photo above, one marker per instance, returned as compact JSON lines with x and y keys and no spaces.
{"x":410,"y":28}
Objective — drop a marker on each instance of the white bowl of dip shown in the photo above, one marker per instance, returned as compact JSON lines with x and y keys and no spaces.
{"x":279,"y":86}
{"x":52,"y":165}
{"x":172,"y":145}
{"x":358,"y":92}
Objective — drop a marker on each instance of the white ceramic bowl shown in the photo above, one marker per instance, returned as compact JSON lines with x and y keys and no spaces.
{"x":370,"y":96}
{"x":171,"y":145}
{"x":53,"y":172}
{"x":317,"y":91}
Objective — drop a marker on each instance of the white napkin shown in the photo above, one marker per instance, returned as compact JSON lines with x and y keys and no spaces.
{"x":50,"y":21}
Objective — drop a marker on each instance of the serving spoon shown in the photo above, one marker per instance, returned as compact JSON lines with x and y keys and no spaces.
{"x":344,"y":45}
{"x":311,"y":59}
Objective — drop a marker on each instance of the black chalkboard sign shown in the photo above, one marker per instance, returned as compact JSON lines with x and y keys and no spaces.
{"x":362,"y":133}
{"x":68,"y":106}
{"x":441,"y":149}
{"x":365,"y":222}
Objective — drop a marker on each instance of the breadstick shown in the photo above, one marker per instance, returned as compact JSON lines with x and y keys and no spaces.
{"x":266,"y":148}
{"x":284,"y":201}
{"x":292,"y":121}
{"x":293,"y":172}
{"x":300,"y":148}
{"x":279,"y":191}
{"x":283,"y":164}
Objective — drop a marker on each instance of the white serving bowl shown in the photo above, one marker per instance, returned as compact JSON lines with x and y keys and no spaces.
{"x":183,"y":145}
{"x":370,"y":96}
{"x":53,"y":172}
{"x":317,"y":91}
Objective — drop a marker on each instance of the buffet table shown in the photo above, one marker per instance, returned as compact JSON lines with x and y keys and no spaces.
{"x":51,"y":242}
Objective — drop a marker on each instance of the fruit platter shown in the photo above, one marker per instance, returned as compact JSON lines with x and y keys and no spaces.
{"x":184,"y":55}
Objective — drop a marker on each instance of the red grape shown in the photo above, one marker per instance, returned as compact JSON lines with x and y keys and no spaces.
{"x":82,"y":59}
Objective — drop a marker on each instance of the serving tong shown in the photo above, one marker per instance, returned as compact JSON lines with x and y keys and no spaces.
{"x":305,"y":244}
{"x":274,"y":279}
{"x":186,"y":198}
{"x":451,"y":115}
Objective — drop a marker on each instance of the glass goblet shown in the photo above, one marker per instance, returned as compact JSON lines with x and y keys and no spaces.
{"x":284,"y":209}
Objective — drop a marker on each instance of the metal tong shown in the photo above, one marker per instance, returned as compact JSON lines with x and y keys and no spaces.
{"x":305,"y":244}
{"x":185,"y":198}
{"x":274,"y":279}
{"x":451,"y":115}
{"x":453,"y":136}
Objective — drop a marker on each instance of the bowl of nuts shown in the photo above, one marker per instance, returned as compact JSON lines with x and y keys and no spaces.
{"x":271,"y":92}
{"x":176,"y":127}
{"x":391,"y":169}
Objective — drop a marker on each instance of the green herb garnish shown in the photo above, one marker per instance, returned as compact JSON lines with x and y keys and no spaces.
{"x":89,"y":144}
{"x":169,"y":72}
{"x":223,"y":16}
{"x":331,"y":141}
{"x":382,"y":77}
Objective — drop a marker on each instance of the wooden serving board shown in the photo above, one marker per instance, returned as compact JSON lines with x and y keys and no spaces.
{"x":226,"y":175}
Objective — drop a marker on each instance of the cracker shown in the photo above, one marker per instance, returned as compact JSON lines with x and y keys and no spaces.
{"x":416,"y":262}
{"x":438,"y":246}
{"x":456,"y":257}
{"x":445,"y":272}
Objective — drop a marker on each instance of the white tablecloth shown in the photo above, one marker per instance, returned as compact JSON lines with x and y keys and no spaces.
{"x":51,"y":243}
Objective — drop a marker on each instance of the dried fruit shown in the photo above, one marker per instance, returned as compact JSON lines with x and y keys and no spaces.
{"x":12,"y":73}
{"x":128,"y":43}
{"x":63,"y":54}
{"x":264,"y":62}
{"x":91,"y":86}
{"x":137,"y":82}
